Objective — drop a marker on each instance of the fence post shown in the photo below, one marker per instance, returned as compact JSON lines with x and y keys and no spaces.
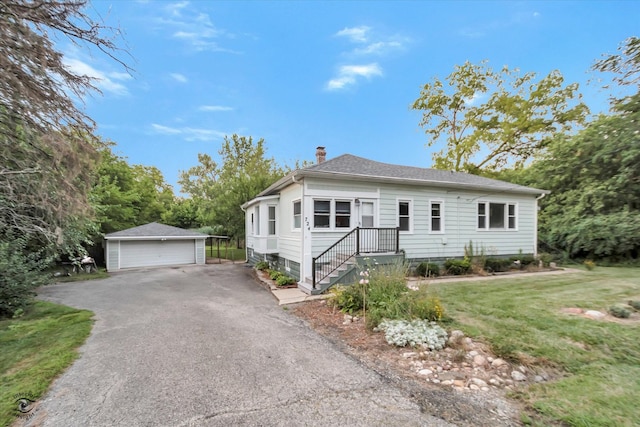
{"x":397,"y":239}
{"x":357,"y":240}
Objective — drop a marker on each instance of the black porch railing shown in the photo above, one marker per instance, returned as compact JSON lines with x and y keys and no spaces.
{"x":357,"y":241}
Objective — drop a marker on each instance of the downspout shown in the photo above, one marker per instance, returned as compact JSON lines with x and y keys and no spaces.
{"x":535,"y":243}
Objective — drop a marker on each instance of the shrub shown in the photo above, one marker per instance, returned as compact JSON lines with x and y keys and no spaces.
{"x":347,"y":298}
{"x":417,"y":332}
{"x":619,"y":311}
{"x":426,"y":308}
{"x":428,"y":269}
{"x":589,"y":264}
{"x":262,"y":265}
{"x":22,"y":272}
{"x":525,"y":260}
{"x":497,"y":264}
{"x":457,"y":267}
{"x":635,"y":305}
{"x":284,"y":280}
{"x":274,"y":274}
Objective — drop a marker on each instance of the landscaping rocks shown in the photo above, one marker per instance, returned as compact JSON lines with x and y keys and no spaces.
{"x":467,"y":365}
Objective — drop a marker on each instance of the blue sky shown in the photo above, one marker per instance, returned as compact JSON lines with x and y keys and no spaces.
{"x":302,"y":74}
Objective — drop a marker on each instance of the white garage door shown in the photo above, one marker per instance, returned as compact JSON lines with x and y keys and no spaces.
{"x":148,"y":253}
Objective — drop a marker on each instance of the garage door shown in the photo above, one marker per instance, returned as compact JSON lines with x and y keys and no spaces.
{"x":149,"y":253}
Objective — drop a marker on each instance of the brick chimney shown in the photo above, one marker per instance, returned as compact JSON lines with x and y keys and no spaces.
{"x":321,"y":155}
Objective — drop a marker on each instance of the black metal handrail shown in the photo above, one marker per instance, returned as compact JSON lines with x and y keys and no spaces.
{"x":357,"y":241}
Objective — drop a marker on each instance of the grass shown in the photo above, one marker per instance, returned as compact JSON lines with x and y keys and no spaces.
{"x":36,"y":348}
{"x":232,"y":253}
{"x":521,"y":320}
{"x":81,"y":277}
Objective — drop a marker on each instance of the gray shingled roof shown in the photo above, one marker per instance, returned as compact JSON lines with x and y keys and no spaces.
{"x":154,"y":229}
{"x":353,"y":167}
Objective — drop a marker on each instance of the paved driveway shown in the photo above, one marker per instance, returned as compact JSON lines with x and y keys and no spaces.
{"x":205,"y":346}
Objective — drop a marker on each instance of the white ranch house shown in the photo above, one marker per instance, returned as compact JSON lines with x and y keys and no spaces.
{"x":315,"y":222}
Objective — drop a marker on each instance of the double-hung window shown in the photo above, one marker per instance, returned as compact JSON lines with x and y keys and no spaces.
{"x":343,"y":214}
{"x":322,"y":213}
{"x":437,"y":225}
{"x":272,"y":220}
{"x":331,"y":214}
{"x":297,"y":214}
{"x":497,"y":216}
{"x":404,"y":215}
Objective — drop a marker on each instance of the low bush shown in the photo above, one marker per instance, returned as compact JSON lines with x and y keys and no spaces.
{"x":383,"y":294}
{"x":416,"y":332}
{"x":426,"y":308}
{"x":428,"y":269}
{"x":635,"y":305}
{"x":497,"y":264}
{"x":525,"y":260}
{"x":262,"y":265}
{"x":284,"y":280}
{"x":589,"y":264}
{"x":619,"y":311}
{"x":457,"y":267}
{"x":274,"y":274}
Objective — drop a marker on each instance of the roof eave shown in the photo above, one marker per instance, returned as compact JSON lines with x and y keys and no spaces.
{"x":341,"y":175}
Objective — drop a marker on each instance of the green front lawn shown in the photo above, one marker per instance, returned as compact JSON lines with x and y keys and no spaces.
{"x":232,"y":253}
{"x":599,"y":361}
{"x":36,"y":348}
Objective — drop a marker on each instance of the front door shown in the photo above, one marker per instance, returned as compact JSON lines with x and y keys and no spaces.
{"x":367,"y":220}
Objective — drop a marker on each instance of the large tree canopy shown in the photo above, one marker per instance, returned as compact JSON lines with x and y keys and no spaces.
{"x":47,"y":146}
{"x":490,"y":119}
{"x":593,"y":209}
{"x":220,"y":190}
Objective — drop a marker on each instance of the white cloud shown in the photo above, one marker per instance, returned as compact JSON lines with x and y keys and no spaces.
{"x":180,"y":78}
{"x":105,"y":81}
{"x":355,"y":34}
{"x":189,"y":133}
{"x":215,"y":108}
{"x":350,"y":74}
{"x":192,"y":27}
{"x":379,"y":48}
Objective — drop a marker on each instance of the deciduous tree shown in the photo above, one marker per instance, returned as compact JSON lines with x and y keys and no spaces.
{"x":488,"y":120}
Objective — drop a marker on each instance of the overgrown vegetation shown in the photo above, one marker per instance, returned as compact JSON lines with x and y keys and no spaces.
{"x":382,"y":293}
{"x":36,"y":348}
{"x":599,"y":361}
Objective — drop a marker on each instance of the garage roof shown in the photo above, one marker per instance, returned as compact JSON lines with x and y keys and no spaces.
{"x":155,"y":230}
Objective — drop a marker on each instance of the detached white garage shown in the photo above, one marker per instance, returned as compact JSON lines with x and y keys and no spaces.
{"x":153,"y":245}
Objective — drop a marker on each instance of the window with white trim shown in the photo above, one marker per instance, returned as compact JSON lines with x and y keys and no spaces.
{"x":404,"y":215}
{"x":297,"y":214}
{"x":272,"y":220}
{"x":321,"y":213}
{"x":497,"y":216}
{"x":437,"y":225}
{"x":343,"y":214}
{"x":257,"y":233}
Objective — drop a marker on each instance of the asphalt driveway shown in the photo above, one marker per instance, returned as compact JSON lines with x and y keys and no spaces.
{"x":206,"y":346}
